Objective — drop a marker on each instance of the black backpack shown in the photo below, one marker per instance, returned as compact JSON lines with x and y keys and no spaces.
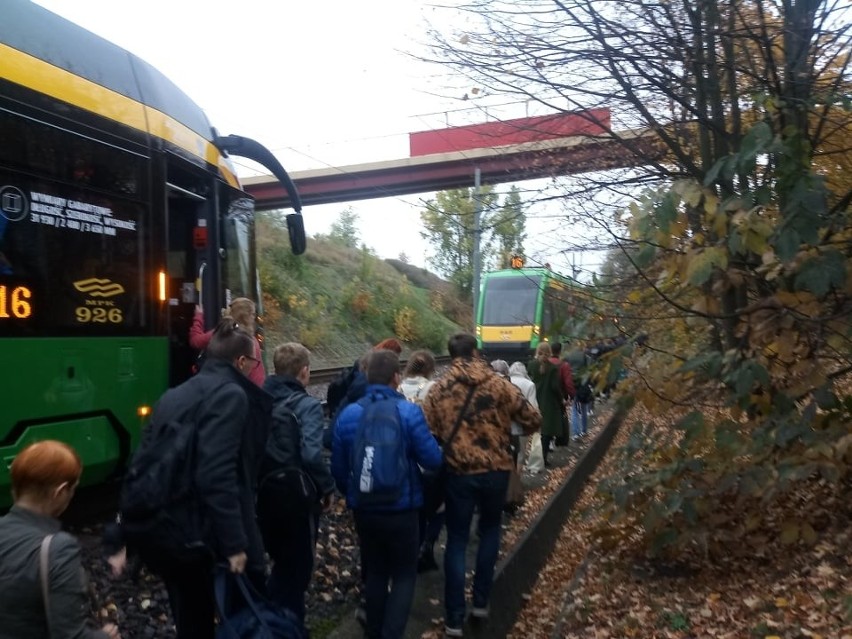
{"x":338,"y":388}
{"x":284,"y":483}
{"x":159,"y":511}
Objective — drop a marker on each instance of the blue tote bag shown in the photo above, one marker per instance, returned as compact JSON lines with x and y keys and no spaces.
{"x":259,"y":618}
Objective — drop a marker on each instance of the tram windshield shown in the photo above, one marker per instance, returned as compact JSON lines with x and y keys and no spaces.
{"x":510,"y":301}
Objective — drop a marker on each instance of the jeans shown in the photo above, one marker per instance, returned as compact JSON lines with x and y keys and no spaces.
{"x":579,"y":418}
{"x":291,"y":547}
{"x":389,"y":548}
{"x":465,"y":493}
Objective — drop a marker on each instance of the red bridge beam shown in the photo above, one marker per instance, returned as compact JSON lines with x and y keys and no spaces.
{"x":441,"y":171}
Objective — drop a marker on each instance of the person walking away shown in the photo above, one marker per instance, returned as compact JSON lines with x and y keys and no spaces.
{"x":582,"y":399}
{"x":416,"y":382}
{"x":347,"y":389}
{"x":548,"y":389}
{"x":296,"y":482}
{"x":417,"y":378}
{"x":535,"y":462}
{"x":43,"y":590}
{"x":477,"y":467}
{"x":229,"y":415}
{"x":351,"y":386}
{"x":501,"y":367}
{"x":379,"y":442}
{"x":244,"y":312}
{"x":566,"y":379}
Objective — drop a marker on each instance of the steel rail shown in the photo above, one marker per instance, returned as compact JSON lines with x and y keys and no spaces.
{"x":326,"y":375}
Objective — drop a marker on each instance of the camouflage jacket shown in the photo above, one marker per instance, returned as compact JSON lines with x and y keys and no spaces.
{"x":482,"y":441}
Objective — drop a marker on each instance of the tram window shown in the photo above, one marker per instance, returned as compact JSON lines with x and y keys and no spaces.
{"x":546,"y":316}
{"x":77,"y":253}
{"x":48,"y":151}
{"x":239,"y":268}
{"x":510,"y":301}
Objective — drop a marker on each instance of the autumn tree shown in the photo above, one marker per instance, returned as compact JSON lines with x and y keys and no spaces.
{"x":734,"y":223}
{"x":449,"y":227}
{"x":508,"y":224}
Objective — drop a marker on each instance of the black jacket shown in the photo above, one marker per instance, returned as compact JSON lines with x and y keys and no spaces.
{"x":289,"y":448}
{"x":232,"y":417}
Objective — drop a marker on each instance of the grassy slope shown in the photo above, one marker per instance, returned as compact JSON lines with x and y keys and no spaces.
{"x":339,"y":301}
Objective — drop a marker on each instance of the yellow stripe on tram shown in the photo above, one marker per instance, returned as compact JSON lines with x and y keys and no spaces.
{"x":43,"y":77}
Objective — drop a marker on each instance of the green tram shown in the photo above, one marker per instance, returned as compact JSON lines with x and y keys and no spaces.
{"x":119,"y":212}
{"x":521,"y":307}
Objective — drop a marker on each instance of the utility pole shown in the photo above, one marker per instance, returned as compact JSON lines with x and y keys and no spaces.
{"x":477,"y":234}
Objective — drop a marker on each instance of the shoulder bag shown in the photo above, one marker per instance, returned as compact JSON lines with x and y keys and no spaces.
{"x":434,"y":483}
{"x":44,"y":577}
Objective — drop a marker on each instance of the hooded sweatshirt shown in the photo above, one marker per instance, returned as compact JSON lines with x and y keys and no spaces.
{"x":482,"y":441}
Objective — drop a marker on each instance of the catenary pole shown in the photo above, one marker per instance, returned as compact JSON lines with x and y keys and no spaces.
{"x":477,"y":236}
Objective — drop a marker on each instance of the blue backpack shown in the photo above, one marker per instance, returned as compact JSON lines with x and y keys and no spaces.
{"x":380,"y":467}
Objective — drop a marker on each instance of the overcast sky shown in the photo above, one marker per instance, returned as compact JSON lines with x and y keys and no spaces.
{"x":321,"y":84}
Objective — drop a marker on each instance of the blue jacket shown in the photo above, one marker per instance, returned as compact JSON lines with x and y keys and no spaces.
{"x":422,"y":448}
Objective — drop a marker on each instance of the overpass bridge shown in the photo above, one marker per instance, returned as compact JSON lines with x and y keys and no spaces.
{"x":509,"y":151}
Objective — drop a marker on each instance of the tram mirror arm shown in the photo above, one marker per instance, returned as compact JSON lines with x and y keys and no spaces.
{"x":248,"y":148}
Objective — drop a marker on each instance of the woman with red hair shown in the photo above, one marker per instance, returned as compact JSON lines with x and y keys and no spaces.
{"x":43,"y":590}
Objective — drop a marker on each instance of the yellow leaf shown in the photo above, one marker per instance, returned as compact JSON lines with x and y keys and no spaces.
{"x":781,"y":602}
{"x":789,"y":532}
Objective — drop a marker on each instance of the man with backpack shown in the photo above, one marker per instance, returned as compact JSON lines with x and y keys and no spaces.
{"x":379,"y":441}
{"x":188,"y":499}
{"x":296,"y":482}
{"x":471,"y":409}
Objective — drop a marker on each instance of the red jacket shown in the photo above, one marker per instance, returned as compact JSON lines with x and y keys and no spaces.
{"x":199,"y":339}
{"x":566,"y":376}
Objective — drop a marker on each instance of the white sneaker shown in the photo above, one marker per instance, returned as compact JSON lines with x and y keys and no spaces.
{"x":449,"y":631}
{"x":479,"y":613}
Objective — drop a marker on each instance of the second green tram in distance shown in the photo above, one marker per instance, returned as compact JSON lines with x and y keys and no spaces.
{"x":521,"y":307}
{"x":120,"y":211}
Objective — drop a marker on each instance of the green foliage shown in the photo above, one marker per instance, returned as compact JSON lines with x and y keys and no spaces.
{"x":344,"y":230}
{"x":449,"y":226}
{"x":751,"y":267}
{"x":338,"y":300}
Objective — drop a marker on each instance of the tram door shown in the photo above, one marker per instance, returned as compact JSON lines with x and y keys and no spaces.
{"x":188,"y":253}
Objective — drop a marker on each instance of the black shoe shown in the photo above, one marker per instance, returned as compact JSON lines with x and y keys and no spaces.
{"x":426,"y":562}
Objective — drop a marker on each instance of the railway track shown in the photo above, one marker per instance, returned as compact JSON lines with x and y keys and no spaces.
{"x":322,"y":376}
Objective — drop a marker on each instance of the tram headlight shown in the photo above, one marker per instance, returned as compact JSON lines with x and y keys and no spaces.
{"x":536,"y":330}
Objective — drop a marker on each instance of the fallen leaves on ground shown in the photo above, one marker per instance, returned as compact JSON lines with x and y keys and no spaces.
{"x":771,"y":589}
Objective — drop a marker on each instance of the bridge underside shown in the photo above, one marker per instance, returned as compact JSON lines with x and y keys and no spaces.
{"x":441,"y":171}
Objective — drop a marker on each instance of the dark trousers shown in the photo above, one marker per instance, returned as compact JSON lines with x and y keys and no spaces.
{"x":389,"y":546}
{"x":190,"y":588}
{"x":291,"y":544}
{"x":191,"y":598}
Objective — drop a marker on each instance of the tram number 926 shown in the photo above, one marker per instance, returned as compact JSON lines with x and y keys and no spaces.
{"x":98,"y":315}
{"x":15,"y":302}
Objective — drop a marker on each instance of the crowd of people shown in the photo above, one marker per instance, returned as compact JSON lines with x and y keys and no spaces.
{"x":411,"y":454}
